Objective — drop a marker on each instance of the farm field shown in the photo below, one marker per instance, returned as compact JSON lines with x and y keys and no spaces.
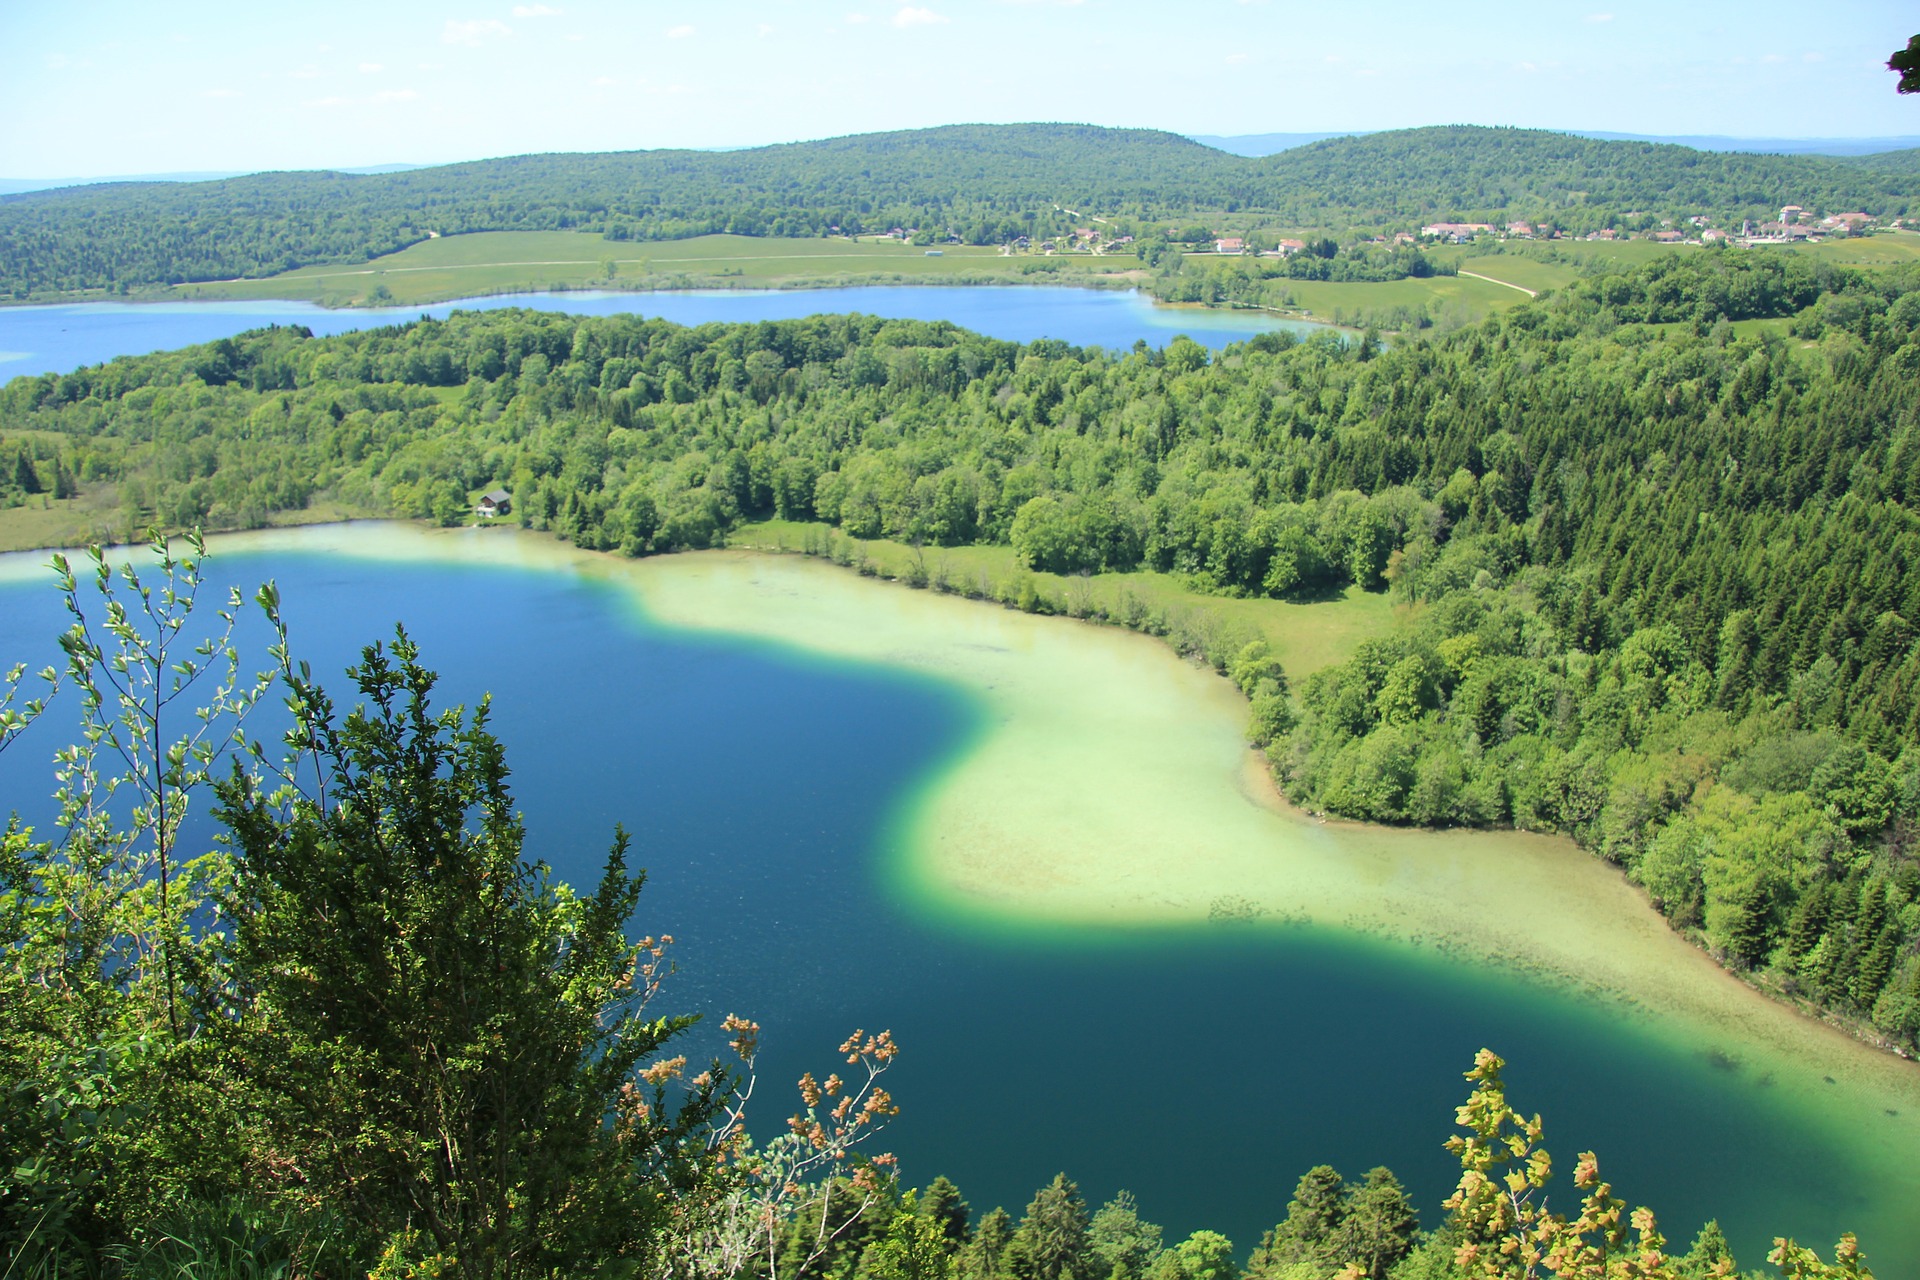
{"x":1344,"y":303}
{"x":1883,"y":249}
{"x":1527,"y":273}
{"x":510,"y":261}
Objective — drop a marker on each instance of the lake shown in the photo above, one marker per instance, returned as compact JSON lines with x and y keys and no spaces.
{"x":60,"y":339}
{"x":1006,"y":837}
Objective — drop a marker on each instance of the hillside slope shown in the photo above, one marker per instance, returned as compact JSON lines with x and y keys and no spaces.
{"x":1463,"y":170}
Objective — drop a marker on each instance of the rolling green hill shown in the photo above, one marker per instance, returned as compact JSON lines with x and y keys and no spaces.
{"x":1907,"y":161}
{"x":982,"y":183}
{"x":1464,"y":170}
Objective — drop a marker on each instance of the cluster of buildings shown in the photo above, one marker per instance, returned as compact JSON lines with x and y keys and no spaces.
{"x":1795,"y":225}
{"x":1082,"y":239}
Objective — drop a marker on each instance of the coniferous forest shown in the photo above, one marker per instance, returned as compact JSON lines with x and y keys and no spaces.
{"x":1662,"y":579}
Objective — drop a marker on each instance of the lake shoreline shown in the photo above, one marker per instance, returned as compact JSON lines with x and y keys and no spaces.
{"x":1106,"y":804}
{"x":201,"y":290}
{"x":59,"y":338}
{"x":1258,"y":785}
{"x":221,"y":291}
{"x":1255,"y":784}
{"x":1263,"y":789}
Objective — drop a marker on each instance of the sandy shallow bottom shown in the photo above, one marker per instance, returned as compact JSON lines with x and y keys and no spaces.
{"x":1110,"y":787}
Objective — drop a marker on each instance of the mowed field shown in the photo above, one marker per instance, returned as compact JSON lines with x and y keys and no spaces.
{"x":508,"y":261}
{"x":1324,"y":300}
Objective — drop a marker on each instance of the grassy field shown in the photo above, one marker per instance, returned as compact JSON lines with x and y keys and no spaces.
{"x":1305,"y":637}
{"x":1884,"y":249}
{"x":1324,"y":300}
{"x":509,"y":261}
{"x":1524,"y":272}
{"x":97,"y":517}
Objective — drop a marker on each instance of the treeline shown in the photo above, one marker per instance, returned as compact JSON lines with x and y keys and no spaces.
{"x":984,"y":184}
{"x":1261,"y":282}
{"x":1705,"y":287}
{"x":1665,"y":575}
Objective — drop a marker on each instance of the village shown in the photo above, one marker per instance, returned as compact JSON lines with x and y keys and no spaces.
{"x":1795,"y":225}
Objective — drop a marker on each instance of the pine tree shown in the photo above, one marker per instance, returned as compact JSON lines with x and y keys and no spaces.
{"x":941,"y":1203}
{"x":358,"y":908}
{"x":1710,"y":1250}
{"x":1123,"y":1242}
{"x":25,"y":478}
{"x":985,"y":1256}
{"x":1051,"y":1241}
{"x":1806,"y":928}
{"x":1379,"y":1226}
{"x":1314,"y":1216}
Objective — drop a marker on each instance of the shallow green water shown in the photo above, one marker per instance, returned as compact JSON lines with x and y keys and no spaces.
{"x":1002,"y":837}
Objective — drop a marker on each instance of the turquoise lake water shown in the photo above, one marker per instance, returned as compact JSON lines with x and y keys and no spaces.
{"x":1204,"y":1069}
{"x":60,"y":339}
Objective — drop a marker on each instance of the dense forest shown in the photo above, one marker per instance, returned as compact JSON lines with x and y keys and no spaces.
{"x":985,"y":184}
{"x":1666,"y":575}
{"x":1907,"y":161}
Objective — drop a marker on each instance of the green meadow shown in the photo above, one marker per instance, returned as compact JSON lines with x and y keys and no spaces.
{"x":1522,"y":272}
{"x":1327,"y":300}
{"x":487,"y":262}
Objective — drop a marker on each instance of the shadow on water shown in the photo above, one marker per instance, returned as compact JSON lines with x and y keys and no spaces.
{"x":1203,"y":1068}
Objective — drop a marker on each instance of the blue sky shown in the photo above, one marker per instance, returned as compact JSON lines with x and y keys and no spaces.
{"x":136,"y":86}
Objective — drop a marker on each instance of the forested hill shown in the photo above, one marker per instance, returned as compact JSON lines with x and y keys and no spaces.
{"x":988,"y":183}
{"x":1903,"y":162}
{"x":983,"y":183}
{"x":1466,"y":170}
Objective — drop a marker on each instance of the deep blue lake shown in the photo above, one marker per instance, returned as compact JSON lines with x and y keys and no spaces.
{"x":1204,"y":1070}
{"x":60,"y":339}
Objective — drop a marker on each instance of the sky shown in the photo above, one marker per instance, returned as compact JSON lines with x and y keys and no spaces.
{"x":108,"y":87}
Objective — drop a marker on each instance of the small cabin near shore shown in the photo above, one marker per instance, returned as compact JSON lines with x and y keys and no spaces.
{"x":494,"y":502}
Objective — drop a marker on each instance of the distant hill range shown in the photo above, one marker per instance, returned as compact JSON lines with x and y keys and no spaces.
{"x":985,"y":184}
{"x":14,"y":186}
{"x":1267,"y":144}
